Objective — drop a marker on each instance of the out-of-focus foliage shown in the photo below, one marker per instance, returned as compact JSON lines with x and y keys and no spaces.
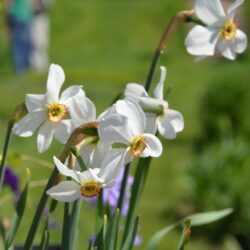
{"x":219,"y":178}
{"x":225,"y":107}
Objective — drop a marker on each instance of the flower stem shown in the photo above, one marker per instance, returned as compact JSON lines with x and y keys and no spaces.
{"x":5,"y":150}
{"x":73,"y":222}
{"x":174,"y":23}
{"x":65,"y":243}
{"x":137,"y":188}
{"x":123,"y":186}
{"x":18,"y":112}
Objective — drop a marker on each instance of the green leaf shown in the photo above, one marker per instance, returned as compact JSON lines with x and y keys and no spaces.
{"x":21,"y":204}
{"x":158,"y":236}
{"x":45,"y":240}
{"x":208,"y":217}
{"x":129,"y":241}
{"x":112,"y":231}
{"x":100,"y":239}
{"x":196,"y":220}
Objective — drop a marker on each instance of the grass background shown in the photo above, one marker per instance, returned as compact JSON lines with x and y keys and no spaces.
{"x":104,"y":45}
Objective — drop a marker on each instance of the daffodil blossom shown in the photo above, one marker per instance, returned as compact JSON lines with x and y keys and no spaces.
{"x":126,"y":126}
{"x":88,"y":183}
{"x":159,"y":115}
{"x":94,"y":152}
{"x":54,"y":116}
{"x":220,"y":31}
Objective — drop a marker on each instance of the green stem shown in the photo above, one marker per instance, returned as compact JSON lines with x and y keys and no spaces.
{"x":143,"y":165}
{"x":65,"y":242}
{"x":174,"y":23}
{"x":5,"y":150}
{"x":18,"y":112}
{"x":154,"y":63}
{"x":39,"y":211}
{"x":137,"y":189}
{"x":123,"y":186}
{"x":73,"y":220}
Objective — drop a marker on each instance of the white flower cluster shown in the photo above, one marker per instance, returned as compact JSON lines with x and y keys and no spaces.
{"x":124,"y":131}
{"x":127,"y":129}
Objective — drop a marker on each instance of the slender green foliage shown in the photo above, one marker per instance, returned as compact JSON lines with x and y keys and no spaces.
{"x":21,"y":204}
{"x":5,"y":150}
{"x":129,"y":241}
{"x":38,"y":214}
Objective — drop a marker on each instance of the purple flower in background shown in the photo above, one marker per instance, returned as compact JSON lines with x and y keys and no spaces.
{"x":111,"y":195}
{"x":138,"y":240}
{"x":11,"y":180}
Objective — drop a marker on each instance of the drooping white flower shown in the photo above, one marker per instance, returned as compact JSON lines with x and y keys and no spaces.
{"x":220,"y":32}
{"x":125,"y":126}
{"x":54,"y":115}
{"x":159,"y":115}
{"x":88,"y":183}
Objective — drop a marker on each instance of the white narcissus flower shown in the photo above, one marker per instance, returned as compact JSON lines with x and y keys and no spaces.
{"x":220,"y":32}
{"x":159,"y":115}
{"x":125,"y":126}
{"x":54,"y":116}
{"x":88,"y":183}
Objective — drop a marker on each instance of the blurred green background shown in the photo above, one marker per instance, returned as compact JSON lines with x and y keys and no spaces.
{"x":104,"y":45}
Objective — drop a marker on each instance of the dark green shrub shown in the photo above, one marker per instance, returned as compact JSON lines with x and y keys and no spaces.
{"x":225,"y":107}
{"x":219,"y":178}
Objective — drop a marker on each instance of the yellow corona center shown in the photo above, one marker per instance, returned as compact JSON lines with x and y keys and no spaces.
{"x":56,"y":112}
{"x":229,"y":30}
{"x":90,"y":189}
{"x":137,"y":146}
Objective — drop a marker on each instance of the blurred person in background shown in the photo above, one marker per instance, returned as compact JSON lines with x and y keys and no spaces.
{"x":40,"y":35}
{"x":19,"y":17}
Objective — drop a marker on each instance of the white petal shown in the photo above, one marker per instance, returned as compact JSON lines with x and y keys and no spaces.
{"x":211,"y":12}
{"x":82,"y":110}
{"x":92,"y":174}
{"x":45,"y":135}
{"x":152,"y":103}
{"x":226,"y":49}
{"x":29,"y":123}
{"x":63,"y":130}
{"x":201,"y":41}
{"x":154,"y":146}
{"x":232,"y":8}
{"x":151,"y":123}
{"x":86,"y":152}
{"x":66,"y":191}
{"x":114,"y":128}
{"x":176,"y":119}
{"x":70,"y":92}
{"x":99,"y":153}
{"x":64,"y":170}
{"x":158,"y":91}
{"x":108,"y":111}
{"x":128,"y":157}
{"x":55,"y":80}
{"x":35,"y":102}
{"x":240,"y":41}
{"x":135,"y":91}
{"x":111,"y":166}
{"x":170,"y":123}
{"x":134,"y":113}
